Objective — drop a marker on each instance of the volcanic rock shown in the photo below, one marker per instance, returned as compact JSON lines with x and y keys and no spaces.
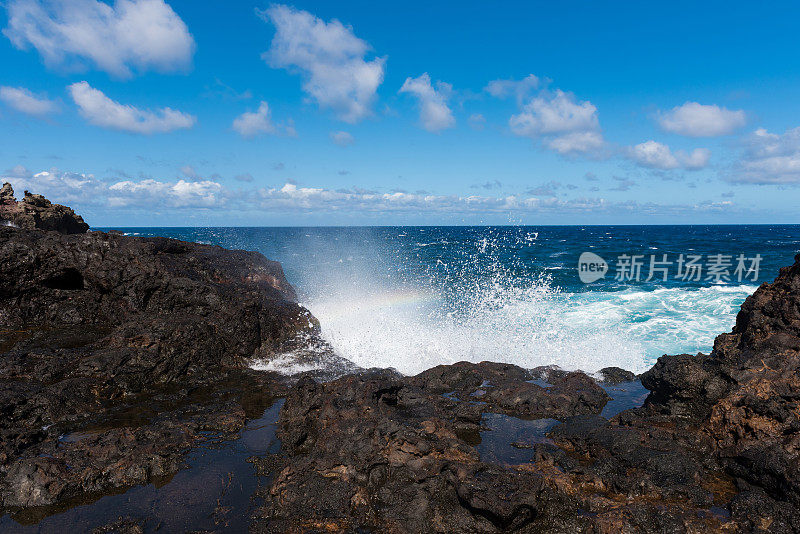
{"x":36,"y":212}
{"x":95,"y":327}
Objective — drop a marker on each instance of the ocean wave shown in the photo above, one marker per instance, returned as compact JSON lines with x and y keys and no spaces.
{"x":481,"y":300}
{"x":412,"y":330}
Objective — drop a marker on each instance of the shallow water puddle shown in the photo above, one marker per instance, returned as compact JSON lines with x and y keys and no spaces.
{"x":510,"y":440}
{"x":214,"y":493}
{"x":624,"y":396}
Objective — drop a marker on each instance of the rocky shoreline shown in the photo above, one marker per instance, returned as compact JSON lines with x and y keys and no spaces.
{"x":122,"y":357}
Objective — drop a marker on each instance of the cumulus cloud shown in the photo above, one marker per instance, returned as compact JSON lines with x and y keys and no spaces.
{"x":253,"y":123}
{"x":331,"y":59}
{"x":654,"y":155}
{"x":181,"y":194}
{"x":342,"y":138}
{"x":517,"y":88}
{"x":130,"y":36}
{"x":250,"y":124}
{"x":434,"y":113}
{"x":83,"y":190}
{"x":698,"y":120}
{"x":695,"y":160}
{"x":24,"y":101}
{"x":290,"y":196}
{"x":770,"y":158}
{"x":100,"y":110}
{"x":564,"y":125}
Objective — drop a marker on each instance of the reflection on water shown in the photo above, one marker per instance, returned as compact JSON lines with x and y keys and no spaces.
{"x":213,"y":493}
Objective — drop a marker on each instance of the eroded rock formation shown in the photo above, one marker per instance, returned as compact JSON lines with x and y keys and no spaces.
{"x":36,"y":212}
{"x":96,"y":326}
{"x":117,"y":354}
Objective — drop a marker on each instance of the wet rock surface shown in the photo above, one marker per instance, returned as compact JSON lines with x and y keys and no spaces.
{"x":122,"y":360}
{"x":713,"y":448}
{"x":120,"y":353}
{"x":36,"y":212}
{"x":419,"y":454}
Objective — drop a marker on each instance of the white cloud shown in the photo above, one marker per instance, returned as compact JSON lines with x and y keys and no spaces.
{"x":180,"y":194}
{"x":329,"y":56}
{"x":131,"y":35}
{"x":342,"y":138}
{"x":770,"y":158}
{"x":565,"y":125}
{"x":518,"y":88}
{"x":100,"y":110}
{"x":696,"y":160}
{"x":86,"y":189}
{"x":24,"y":101}
{"x":654,"y":155}
{"x":253,"y":123}
{"x":434,"y":113}
{"x":62,"y":187}
{"x":698,"y":120}
{"x":576,"y":142}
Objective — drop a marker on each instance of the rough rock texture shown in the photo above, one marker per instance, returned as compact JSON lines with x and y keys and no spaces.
{"x":392,"y":454}
{"x":379,"y":451}
{"x":615,"y":375}
{"x":36,"y":212}
{"x":118,"y":354}
{"x":716,"y":448}
{"x":745,"y":398}
{"x":115,"y":336}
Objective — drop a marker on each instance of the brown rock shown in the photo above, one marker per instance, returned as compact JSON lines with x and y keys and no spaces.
{"x":36,"y":212}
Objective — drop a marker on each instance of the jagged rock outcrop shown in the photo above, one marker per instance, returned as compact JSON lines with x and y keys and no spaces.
{"x":36,"y":212}
{"x":745,"y":397}
{"x":94,"y":324}
{"x":117,"y":354}
{"x":714,"y":448}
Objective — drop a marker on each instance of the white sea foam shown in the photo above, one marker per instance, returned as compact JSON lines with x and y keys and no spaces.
{"x":480,"y":308}
{"x":285,"y":364}
{"x":537,"y":326}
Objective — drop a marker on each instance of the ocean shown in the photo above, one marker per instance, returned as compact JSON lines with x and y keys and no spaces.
{"x":415,"y":297}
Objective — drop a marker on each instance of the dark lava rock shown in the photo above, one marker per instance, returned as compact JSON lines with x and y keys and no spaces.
{"x":132,"y":348}
{"x":715,"y":448}
{"x":119,"y":353}
{"x":385,"y":453}
{"x":615,"y":375}
{"x":36,"y":212}
{"x":745,"y":398}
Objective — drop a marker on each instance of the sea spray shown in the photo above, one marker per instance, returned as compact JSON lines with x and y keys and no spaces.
{"x":414,"y":297}
{"x":483,"y":304}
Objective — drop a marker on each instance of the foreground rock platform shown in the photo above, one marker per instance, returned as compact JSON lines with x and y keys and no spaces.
{"x":139,"y":344}
{"x":713,"y":449}
{"x":119,"y":355}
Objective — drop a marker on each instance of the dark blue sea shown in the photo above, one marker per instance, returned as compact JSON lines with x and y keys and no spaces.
{"x":414,"y":297}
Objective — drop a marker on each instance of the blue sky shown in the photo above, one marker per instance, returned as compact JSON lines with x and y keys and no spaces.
{"x":141,"y":112}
